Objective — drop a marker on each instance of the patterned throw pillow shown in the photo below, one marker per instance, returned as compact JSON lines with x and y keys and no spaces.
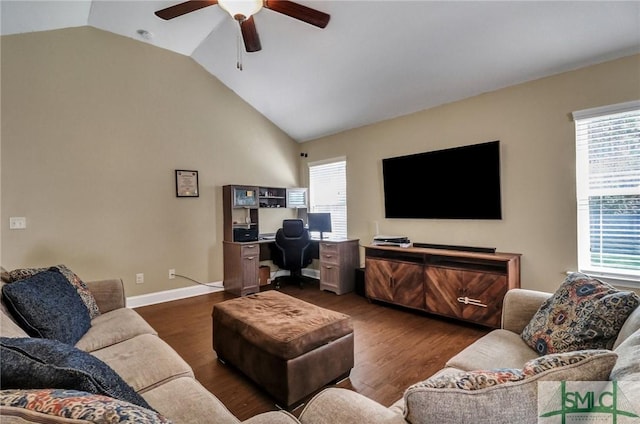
{"x":481,"y":379}
{"x":40,"y":404}
{"x":501,"y":396}
{"x":80,"y":286}
{"x":584,"y":313}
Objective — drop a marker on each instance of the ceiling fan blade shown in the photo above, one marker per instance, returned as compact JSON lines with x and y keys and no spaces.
{"x":250,"y":35}
{"x":183,"y":8}
{"x":298,"y":11}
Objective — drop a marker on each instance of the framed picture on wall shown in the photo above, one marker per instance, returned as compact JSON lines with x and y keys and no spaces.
{"x":186,"y":183}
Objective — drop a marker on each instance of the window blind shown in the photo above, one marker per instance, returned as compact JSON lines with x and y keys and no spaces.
{"x":328,"y":192}
{"x":608,"y":191}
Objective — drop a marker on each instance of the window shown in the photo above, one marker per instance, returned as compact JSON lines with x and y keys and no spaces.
{"x":328,"y":192}
{"x":608,"y":192}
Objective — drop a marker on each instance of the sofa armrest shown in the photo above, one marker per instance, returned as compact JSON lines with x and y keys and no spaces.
{"x":335,"y":405}
{"x":109,"y":294}
{"x":519,"y":306}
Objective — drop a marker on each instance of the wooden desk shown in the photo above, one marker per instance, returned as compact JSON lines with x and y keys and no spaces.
{"x":338,"y":259}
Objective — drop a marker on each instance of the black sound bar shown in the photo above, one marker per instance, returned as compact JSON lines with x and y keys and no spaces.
{"x":453,"y":247}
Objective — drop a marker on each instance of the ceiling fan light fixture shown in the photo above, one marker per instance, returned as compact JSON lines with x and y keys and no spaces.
{"x":241,"y":9}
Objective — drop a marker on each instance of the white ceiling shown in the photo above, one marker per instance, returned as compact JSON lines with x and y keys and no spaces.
{"x":375,"y":60}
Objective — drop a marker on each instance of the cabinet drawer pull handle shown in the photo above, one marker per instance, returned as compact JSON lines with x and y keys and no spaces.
{"x":474,"y":302}
{"x":250,"y":258}
{"x":251,"y":246}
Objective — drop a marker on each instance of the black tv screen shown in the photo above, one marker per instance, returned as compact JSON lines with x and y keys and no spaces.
{"x":456,"y":183}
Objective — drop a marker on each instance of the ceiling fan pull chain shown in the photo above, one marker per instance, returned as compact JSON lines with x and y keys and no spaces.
{"x":239,"y":49}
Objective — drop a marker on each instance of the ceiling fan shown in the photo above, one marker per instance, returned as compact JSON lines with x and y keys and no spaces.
{"x":243,"y":11}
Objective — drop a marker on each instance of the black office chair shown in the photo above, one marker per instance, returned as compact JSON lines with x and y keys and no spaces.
{"x":292,"y":249}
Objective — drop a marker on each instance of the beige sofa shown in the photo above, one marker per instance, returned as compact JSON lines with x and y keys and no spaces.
{"x":508,"y":403}
{"x":129,"y":345}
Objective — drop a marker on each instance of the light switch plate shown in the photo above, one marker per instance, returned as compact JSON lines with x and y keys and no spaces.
{"x":17,"y":223}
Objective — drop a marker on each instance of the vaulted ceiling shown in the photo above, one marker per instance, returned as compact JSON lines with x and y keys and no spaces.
{"x":375,"y":60}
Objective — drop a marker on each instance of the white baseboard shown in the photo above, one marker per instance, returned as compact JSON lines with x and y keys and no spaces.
{"x":173,"y":294}
{"x":313,"y":273}
{"x":197,"y":290}
{"x":309,"y":272}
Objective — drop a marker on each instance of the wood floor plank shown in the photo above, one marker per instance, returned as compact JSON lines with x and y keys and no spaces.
{"x":393,"y":347}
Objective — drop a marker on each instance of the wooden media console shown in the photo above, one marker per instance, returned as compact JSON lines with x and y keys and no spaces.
{"x":464,"y":285}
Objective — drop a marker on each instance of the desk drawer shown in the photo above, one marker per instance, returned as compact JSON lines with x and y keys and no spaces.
{"x":329,"y":253}
{"x":250,"y":249}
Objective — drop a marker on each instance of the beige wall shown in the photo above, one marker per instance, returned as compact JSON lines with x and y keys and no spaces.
{"x":93,"y":127}
{"x":533,"y":123}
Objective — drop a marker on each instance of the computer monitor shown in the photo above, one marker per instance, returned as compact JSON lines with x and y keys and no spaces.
{"x":319,"y":221}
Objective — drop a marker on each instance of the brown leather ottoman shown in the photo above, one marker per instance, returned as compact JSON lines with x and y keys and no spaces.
{"x":289,"y":347}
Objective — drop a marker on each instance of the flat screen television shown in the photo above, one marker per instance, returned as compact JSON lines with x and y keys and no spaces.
{"x":456,"y":183}
{"x":319,"y":221}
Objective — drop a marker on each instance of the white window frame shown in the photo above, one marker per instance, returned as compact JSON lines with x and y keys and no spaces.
{"x":328,"y":192}
{"x":592,"y":185}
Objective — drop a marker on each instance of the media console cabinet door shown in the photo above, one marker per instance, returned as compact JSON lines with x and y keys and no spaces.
{"x":395,"y":281}
{"x":465,"y":294}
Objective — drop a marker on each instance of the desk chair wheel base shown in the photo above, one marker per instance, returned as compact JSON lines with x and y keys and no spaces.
{"x":298,"y":279}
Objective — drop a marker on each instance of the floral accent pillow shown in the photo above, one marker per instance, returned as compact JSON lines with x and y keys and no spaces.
{"x":481,"y":379}
{"x":39,"y":404}
{"x":497,"y":396}
{"x":74,"y":280}
{"x":584,"y":313}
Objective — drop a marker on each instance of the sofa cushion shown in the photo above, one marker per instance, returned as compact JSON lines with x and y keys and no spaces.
{"x":57,"y":405}
{"x":31,"y":363}
{"x":631,"y":325}
{"x":4,"y":275}
{"x":46,"y":305}
{"x":497,"y":349}
{"x":584,"y":313}
{"x":501,"y":395}
{"x":627,"y":369}
{"x":129,"y":357}
{"x":8,"y":325}
{"x":195,"y":402}
{"x":628,"y":365}
{"x":114,"y":327}
{"x":72,"y":278}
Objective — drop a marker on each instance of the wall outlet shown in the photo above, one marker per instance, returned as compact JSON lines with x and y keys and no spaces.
{"x":139,"y":278}
{"x":17,"y":222}
{"x":172,"y":274}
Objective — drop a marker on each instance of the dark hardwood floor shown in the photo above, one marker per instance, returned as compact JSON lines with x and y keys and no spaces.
{"x":394,"y":347}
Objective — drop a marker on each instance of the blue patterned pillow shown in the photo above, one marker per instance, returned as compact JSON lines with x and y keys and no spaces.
{"x":46,"y":305}
{"x":584,"y":313}
{"x":76,"y":405}
{"x":74,"y":280}
{"x":31,"y":363}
